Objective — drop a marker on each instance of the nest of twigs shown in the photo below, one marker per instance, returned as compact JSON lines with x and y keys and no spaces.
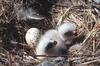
{"x":88,"y":21}
{"x":85,"y":14}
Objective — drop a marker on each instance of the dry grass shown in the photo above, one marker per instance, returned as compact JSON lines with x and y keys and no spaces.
{"x":82,"y":13}
{"x":88,"y":21}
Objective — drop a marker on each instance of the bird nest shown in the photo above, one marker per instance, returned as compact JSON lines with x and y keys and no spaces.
{"x":85,"y":14}
{"x":88,"y":21}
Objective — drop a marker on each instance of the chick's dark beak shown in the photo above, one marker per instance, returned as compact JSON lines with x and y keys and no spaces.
{"x":70,"y":33}
{"x":75,"y":32}
{"x":70,"y":36}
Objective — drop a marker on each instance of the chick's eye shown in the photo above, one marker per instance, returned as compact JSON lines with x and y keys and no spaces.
{"x":55,"y":42}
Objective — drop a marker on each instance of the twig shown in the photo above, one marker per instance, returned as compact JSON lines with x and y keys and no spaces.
{"x":90,"y":62}
{"x":16,"y":43}
{"x":88,"y":35}
{"x":94,"y":48}
{"x":62,"y":17}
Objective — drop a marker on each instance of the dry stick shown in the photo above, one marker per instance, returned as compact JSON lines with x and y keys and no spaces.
{"x":61,"y":5}
{"x":98,"y":27}
{"x":22,"y":44}
{"x":3,"y":55}
{"x":62,"y":17}
{"x":50,"y":55}
{"x":85,"y":63}
{"x":94,"y":17}
{"x":94,"y":48}
{"x":97,"y":44}
{"x":9,"y":55}
{"x":88,"y":35}
{"x":9,"y":59}
{"x":15,"y":43}
{"x":64,"y":55}
{"x":90,"y":60}
{"x":87,"y":59}
{"x":95,"y":29}
{"x":76,"y":58}
{"x":78,"y":21}
{"x":65,"y":5}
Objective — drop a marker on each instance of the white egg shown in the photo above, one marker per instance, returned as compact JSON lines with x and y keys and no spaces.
{"x":32,"y":36}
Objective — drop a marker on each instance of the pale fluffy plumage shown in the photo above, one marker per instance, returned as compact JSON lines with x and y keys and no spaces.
{"x":49,"y":36}
{"x":64,"y":28}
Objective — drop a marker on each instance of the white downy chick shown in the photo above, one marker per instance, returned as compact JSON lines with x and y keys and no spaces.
{"x":67,"y":31}
{"x":50,"y":44}
{"x":32,"y":36}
